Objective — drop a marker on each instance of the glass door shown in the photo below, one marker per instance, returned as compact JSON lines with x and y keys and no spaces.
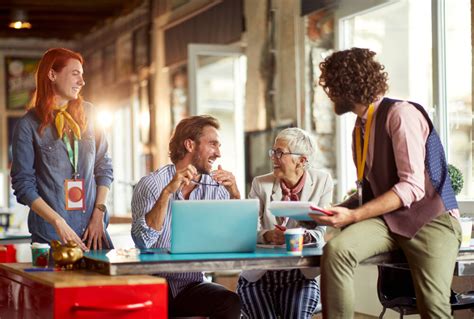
{"x":217,"y":75}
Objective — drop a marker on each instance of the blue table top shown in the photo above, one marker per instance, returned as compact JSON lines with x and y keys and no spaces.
{"x":154,"y":255}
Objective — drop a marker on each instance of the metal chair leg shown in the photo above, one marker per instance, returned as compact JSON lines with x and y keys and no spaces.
{"x":400,"y":310}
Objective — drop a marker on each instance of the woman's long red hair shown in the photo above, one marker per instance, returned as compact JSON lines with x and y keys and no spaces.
{"x":43,"y":99}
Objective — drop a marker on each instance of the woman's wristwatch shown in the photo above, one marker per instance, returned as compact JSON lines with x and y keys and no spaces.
{"x":101,"y":207}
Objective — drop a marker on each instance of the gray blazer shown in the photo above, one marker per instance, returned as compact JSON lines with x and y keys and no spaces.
{"x":318,"y":189}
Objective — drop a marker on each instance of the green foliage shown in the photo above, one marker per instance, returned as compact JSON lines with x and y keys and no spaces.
{"x":457,"y":180}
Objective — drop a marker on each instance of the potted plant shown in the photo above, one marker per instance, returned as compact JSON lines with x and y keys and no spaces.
{"x":457,"y":180}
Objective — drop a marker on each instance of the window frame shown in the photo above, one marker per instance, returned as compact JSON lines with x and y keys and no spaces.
{"x":440,"y":99}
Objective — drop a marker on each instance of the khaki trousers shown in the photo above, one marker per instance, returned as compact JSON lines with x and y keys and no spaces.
{"x":431,"y":255}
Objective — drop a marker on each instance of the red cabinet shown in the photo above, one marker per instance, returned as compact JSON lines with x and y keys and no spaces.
{"x":79,"y":294}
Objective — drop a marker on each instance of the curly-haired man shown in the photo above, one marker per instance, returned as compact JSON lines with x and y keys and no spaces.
{"x":404,"y":199}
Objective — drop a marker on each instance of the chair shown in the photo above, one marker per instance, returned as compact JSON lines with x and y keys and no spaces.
{"x":395,"y":291}
{"x":461,"y":301}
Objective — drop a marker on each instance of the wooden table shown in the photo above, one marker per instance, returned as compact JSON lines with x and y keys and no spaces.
{"x":79,"y":294}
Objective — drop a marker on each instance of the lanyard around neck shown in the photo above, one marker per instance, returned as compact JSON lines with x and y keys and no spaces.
{"x":73,"y":155}
{"x":361,"y":156}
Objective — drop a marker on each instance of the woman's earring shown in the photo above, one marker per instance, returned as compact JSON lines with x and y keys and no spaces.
{"x":304,"y":163}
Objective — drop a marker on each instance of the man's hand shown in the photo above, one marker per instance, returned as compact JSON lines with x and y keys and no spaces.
{"x":275,"y":236}
{"x":95,"y":232}
{"x":156,"y":216}
{"x":181,"y":178}
{"x":227,"y":179}
{"x":342,"y":217}
{"x":385,"y":203}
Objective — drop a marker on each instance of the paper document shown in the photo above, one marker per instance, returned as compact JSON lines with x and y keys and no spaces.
{"x":295,"y":210}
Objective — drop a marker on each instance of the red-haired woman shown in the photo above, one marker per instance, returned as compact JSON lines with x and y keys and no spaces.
{"x":60,"y":167}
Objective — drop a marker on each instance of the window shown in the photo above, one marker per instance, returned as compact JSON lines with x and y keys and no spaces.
{"x":122,"y":136}
{"x":458,"y":120}
{"x":121,"y":151}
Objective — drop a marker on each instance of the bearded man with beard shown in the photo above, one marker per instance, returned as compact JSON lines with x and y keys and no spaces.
{"x":404,"y":200}
{"x":193,"y":148}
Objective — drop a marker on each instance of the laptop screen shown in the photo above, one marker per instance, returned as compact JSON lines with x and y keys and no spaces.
{"x":214,"y":226}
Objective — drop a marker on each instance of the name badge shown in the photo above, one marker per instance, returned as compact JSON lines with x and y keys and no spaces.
{"x":74,"y":194}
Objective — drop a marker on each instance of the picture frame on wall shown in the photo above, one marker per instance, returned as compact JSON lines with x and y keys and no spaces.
{"x":20,"y":81}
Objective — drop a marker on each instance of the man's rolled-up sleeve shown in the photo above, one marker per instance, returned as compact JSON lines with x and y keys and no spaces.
{"x":409,"y":131}
{"x":143,"y":201}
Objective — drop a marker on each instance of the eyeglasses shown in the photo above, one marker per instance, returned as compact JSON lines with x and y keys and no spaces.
{"x":278,"y":154}
{"x":206,"y":184}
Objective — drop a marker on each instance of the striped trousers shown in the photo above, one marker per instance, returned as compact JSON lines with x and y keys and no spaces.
{"x":279,"y":294}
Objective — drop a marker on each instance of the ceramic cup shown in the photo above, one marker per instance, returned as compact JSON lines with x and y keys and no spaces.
{"x":466,"y":229}
{"x":294,"y":240}
{"x":40,"y":254}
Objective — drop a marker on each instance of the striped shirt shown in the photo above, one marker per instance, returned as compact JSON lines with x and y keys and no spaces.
{"x":145,"y":195}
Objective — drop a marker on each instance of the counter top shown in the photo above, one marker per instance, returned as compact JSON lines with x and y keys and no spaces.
{"x":77,"y":278}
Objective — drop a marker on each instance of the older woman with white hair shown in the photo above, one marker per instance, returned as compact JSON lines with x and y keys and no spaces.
{"x":286,"y":293}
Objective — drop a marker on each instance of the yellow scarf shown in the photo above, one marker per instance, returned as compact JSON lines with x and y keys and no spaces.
{"x":60,"y":119}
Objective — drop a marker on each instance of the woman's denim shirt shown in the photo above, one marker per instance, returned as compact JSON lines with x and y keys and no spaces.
{"x":41,"y":165}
